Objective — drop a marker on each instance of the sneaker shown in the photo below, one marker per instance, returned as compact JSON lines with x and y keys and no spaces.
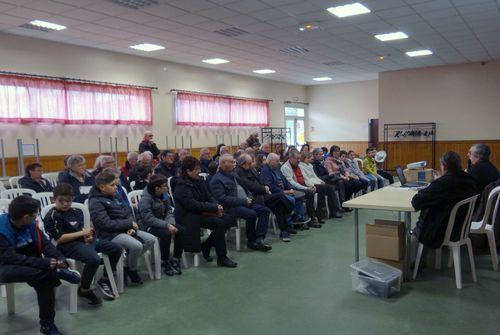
{"x":168,"y":269}
{"x":285,"y":236}
{"x":175,"y":263}
{"x":90,"y":296}
{"x":105,"y":288}
{"x":135,"y":277}
{"x":71,"y":276}
{"x":50,"y":330}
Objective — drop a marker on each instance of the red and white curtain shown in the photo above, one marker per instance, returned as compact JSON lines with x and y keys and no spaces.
{"x":28,"y":99}
{"x":208,"y":110}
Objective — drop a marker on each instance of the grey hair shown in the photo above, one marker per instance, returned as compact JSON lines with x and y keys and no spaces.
{"x":142,"y":156}
{"x":272,"y":156}
{"x":131,"y":155}
{"x":101,"y":160}
{"x":74,"y":159}
{"x":242,"y":159}
{"x":225,"y":157}
{"x":481,"y":150}
{"x":316,"y":150}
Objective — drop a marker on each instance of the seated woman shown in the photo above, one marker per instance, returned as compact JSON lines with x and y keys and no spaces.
{"x":130,"y":163}
{"x":34,"y":180}
{"x":157,"y":217}
{"x":196,"y":208}
{"x":76,"y":175}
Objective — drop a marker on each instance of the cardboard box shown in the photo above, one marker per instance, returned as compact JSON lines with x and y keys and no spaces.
{"x":385,"y":240}
{"x":413,"y":175}
{"x":398,"y":265}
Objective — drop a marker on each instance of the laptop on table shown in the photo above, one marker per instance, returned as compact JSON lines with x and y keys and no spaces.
{"x":404,"y":183}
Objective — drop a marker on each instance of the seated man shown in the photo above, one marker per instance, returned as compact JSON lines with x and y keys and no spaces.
{"x":480,"y":167}
{"x":26,"y":256}
{"x":157,"y":217}
{"x":76,"y":175}
{"x":166,"y":166}
{"x":436,"y":201}
{"x":351,"y":183}
{"x":354,"y":172}
{"x":223,"y":150}
{"x":229,"y":191}
{"x":34,"y":180}
{"x":195,"y":208}
{"x":370,"y":168}
{"x":144,"y":159}
{"x":129,"y":163}
{"x":353,"y":167}
{"x":143,"y":175}
{"x":205,"y":159}
{"x":278,"y":202}
{"x":113,"y":221}
{"x":65,"y":226}
{"x":295,"y":178}
{"x":105,"y":162}
{"x":148,"y":144}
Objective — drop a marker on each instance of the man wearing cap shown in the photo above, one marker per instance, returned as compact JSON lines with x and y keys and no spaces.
{"x":147,"y":144}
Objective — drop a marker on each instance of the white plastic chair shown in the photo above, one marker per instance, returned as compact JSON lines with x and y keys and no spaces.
{"x":105,"y":258}
{"x":132,"y":185}
{"x":169,"y":184}
{"x":455,"y":245}
{"x":2,"y":188}
{"x":485,"y":227}
{"x":360,"y":163}
{"x":45,"y":198}
{"x":85,"y":189}
{"x":9,"y":293}
{"x":4,"y":205}
{"x":14,"y":181}
{"x":52,"y":178}
{"x":15,"y":192}
{"x":203,"y":175}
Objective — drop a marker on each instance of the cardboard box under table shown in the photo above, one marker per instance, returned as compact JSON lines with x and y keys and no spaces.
{"x":385,"y":242}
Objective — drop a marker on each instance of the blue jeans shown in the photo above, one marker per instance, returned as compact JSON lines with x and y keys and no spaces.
{"x":256,"y":220}
{"x":375,"y":179}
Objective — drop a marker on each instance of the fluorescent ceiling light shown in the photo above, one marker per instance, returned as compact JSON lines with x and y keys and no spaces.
{"x":322,"y":78}
{"x":215,"y":61}
{"x":391,"y":36}
{"x":264,"y":71}
{"x":47,"y":25}
{"x":147,"y":47}
{"x":348,"y":10}
{"x":417,"y":53}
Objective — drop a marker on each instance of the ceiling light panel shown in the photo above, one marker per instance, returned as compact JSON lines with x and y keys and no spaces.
{"x":322,"y":78}
{"x":147,"y":47}
{"x":391,"y":36}
{"x":348,"y":10}
{"x":47,"y":25}
{"x":417,"y":53}
{"x":264,"y":71}
{"x":215,"y":61}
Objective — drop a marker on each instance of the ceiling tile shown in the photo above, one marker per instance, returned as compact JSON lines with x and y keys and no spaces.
{"x":217,"y":13}
{"x":239,"y":20}
{"x":193,"y":5}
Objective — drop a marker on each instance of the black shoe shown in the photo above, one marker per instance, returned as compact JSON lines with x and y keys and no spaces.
{"x":347,"y":209}
{"x":134,"y":277}
{"x":90,"y":296}
{"x":205,"y":250}
{"x":260,"y":246}
{"x":105,"y":288}
{"x":175,"y":263}
{"x":50,"y":330}
{"x":71,"y":276}
{"x":291,"y":231}
{"x":168,"y":269}
{"x":305,"y":227}
{"x":226,"y":262}
{"x":321,"y":221}
{"x":336,"y":216}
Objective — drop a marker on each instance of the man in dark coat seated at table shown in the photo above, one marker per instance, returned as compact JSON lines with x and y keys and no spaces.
{"x":437,"y":200}
{"x":480,"y":167}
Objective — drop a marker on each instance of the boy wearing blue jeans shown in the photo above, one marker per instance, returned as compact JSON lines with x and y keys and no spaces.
{"x":65,"y":225}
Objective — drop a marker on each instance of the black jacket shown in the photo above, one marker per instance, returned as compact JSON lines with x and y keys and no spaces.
{"x":109,"y":215}
{"x":204,"y":164}
{"x":155,"y":211}
{"x":57,"y":223}
{"x":251,"y":180}
{"x":223,"y":188}
{"x":436,"y":202}
{"x":148,"y":146}
{"x":28,"y":182}
{"x":67,"y":177}
{"x":167,"y":171}
{"x":192,"y":199}
{"x":321,"y":171}
{"x":484,"y":172}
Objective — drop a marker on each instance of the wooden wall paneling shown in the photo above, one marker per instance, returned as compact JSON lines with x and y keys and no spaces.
{"x":357,"y":146}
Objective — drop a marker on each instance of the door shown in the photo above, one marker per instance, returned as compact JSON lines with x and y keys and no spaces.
{"x":295,"y":121}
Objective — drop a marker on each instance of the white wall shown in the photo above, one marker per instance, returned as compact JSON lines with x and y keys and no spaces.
{"x":21,"y":54}
{"x":464,"y":100}
{"x":340,"y":112}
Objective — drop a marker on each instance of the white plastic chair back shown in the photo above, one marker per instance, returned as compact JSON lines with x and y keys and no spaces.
{"x":85,"y":189}
{"x":14,"y":181}
{"x":2,"y":188}
{"x":360,"y":163}
{"x":77,"y":205}
{"x":15,"y":192}
{"x":203,"y":175}
{"x":4,"y":205}
{"x":490,"y":207}
{"x":169,"y":183}
{"x":45,"y":198}
{"x":464,"y":231}
{"x":51,"y":178}
{"x":132,"y":185}
{"x":134,"y":197}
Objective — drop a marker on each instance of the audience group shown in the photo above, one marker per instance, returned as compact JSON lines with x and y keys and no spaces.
{"x":297,"y":189}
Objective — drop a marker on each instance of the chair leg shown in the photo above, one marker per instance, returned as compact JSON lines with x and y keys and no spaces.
{"x":437,"y":262}
{"x":120,"y":275}
{"x":493,"y":249}
{"x":237,"y":231}
{"x":157,"y":258}
{"x":471,"y":259}
{"x":147,"y":258}
{"x":4,"y":291}
{"x":417,"y":260}
{"x":184,"y":260}
{"x":196,"y":260}
{"x":456,"y":260}
{"x":11,"y":299}
{"x":73,"y":298}
{"x":109,"y":272}
{"x":450,"y":259}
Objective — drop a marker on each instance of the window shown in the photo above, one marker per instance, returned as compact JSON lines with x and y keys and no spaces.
{"x":28,"y":99}
{"x":208,"y":110}
{"x":295,"y":120}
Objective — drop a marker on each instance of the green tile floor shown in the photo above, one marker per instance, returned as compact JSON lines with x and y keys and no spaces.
{"x":302,"y":287}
